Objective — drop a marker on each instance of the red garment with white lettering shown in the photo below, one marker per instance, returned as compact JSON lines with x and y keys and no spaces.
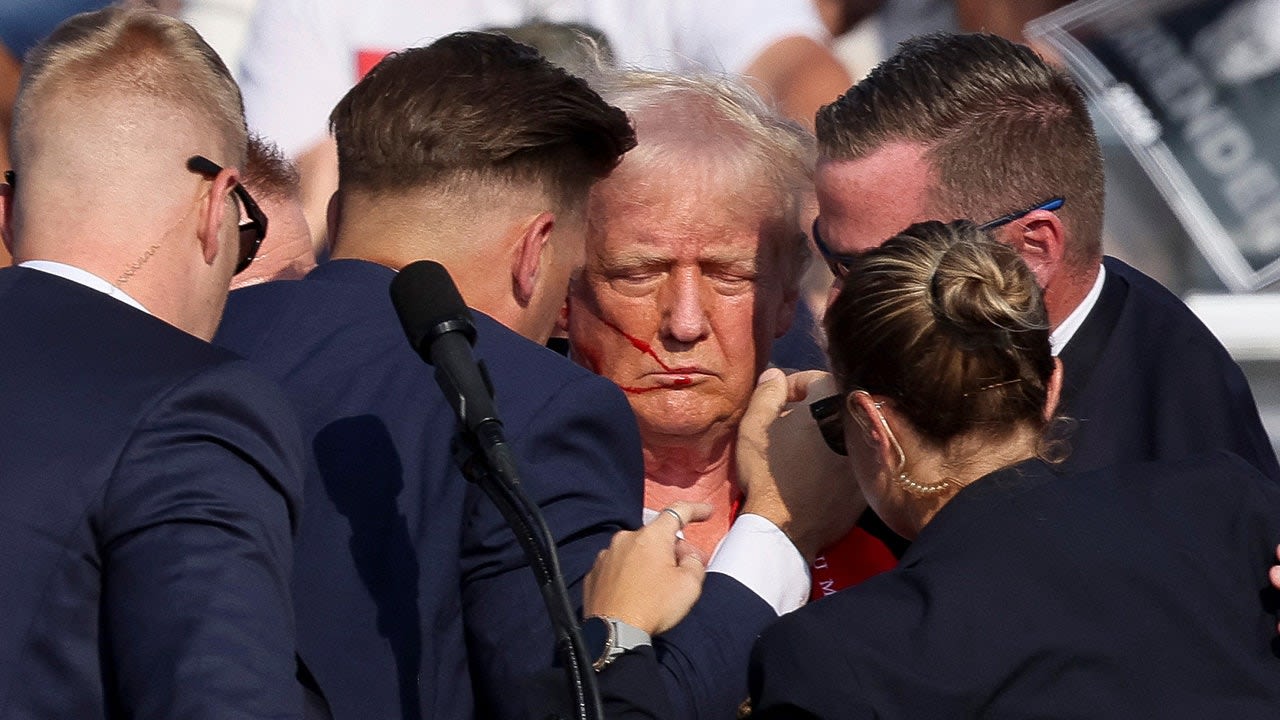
{"x":856,"y":557}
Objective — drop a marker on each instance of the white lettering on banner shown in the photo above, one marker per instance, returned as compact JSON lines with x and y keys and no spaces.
{"x":1220,"y":142}
{"x":1131,"y":112}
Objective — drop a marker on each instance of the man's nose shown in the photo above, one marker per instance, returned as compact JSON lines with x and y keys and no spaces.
{"x":685,"y":315}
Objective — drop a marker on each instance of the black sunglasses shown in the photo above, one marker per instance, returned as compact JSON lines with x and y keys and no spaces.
{"x":826,"y":413}
{"x":840,"y":264}
{"x":253,"y":230}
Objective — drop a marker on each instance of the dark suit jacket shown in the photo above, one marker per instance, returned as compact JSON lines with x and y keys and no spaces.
{"x":1133,"y":592}
{"x":412,"y":594}
{"x":1146,"y":380}
{"x":147,"y":486}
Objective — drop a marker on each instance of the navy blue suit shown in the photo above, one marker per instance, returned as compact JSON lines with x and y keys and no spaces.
{"x":1137,"y":591}
{"x":1146,"y":380}
{"x":413,"y":597}
{"x":147,"y":486}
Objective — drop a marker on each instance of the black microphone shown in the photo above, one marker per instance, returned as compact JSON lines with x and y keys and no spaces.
{"x":440,"y":329}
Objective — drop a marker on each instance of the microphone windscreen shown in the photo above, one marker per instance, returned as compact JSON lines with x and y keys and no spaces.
{"x":428,"y":303}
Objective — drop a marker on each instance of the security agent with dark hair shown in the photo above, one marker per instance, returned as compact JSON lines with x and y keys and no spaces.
{"x":978,"y":127}
{"x":1028,"y":591}
{"x":413,"y":597}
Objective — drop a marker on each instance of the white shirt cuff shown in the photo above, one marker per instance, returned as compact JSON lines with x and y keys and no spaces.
{"x":759,"y":555}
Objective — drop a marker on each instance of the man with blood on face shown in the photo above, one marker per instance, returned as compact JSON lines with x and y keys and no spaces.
{"x":693,"y":256}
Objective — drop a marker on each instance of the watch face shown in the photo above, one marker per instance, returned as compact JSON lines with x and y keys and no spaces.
{"x":595,"y":637}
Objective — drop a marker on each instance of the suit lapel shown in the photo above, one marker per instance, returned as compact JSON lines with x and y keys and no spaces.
{"x":1083,"y":353}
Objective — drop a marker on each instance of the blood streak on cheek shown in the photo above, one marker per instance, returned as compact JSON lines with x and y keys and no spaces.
{"x":647,"y":349}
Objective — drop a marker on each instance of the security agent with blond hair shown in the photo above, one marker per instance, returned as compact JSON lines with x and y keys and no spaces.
{"x":1028,"y":591}
{"x":978,"y":127}
{"x":150,"y":480}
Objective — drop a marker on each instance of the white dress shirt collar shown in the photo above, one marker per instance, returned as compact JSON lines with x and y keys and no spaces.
{"x":1062,"y":335}
{"x":85,"y":278}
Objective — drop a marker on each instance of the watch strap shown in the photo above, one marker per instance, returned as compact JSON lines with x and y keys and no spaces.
{"x":621,"y":638}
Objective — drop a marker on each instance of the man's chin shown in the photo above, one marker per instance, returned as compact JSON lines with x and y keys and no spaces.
{"x":678,"y":424}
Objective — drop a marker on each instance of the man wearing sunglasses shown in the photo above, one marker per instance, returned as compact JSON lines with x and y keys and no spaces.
{"x":148,"y":481}
{"x":976,"y":126}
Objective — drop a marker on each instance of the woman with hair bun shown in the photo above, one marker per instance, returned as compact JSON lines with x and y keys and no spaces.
{"x":945,"y":329}
{"x":1136,"y":591}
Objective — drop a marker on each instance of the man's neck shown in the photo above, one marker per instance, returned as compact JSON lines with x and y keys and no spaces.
{"x":1066,"y":329}
{"x":694,"y":472}
{"x":683,"y":467}
{"x":687,"y":469}
{"x":1065,"y":295}
{"x":371,"y":244}
{"x":396,"y":244}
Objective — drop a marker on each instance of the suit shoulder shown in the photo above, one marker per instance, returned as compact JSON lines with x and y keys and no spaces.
{"x":255,"y":310}
{"x":229,"y":402}
{"x":1212,"y":472}
{"x":1160,"y":309}
{"x":62,"y":322}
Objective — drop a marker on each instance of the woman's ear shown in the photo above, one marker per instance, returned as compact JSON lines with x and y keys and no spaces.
{"x":862,"y":409}
{"x":877,"y":431}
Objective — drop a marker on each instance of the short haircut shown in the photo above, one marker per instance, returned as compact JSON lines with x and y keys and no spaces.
{"x":721,"y":118}
{"x":1002,"y":128}
{"x":948,"y":323}
{"x":133,"y":52}
{"x":268,"y":173}
{"x":472,"y":110}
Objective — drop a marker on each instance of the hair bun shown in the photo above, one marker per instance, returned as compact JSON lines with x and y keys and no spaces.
{"x":950,"y":324}
{"x":982,"y":289}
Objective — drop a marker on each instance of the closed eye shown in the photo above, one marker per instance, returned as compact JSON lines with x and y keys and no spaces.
{"x":635,"y":278}
{"x":731,"y":278}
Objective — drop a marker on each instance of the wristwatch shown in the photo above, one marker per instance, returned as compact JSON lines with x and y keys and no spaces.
{"x":606,"y":638}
